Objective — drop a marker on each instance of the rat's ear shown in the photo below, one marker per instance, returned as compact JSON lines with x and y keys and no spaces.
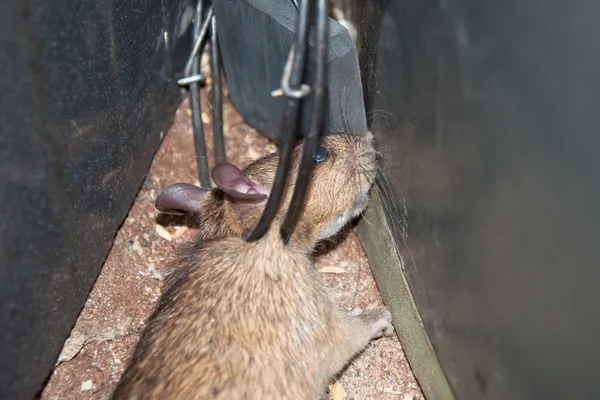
{"x":237,"y":185}
{"x":181,"y":198}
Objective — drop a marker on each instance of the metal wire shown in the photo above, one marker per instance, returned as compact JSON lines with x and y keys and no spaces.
{"x":217,"y":95}
{"x":197,"y":126}
{"x":285,"y":89}
{"x":288,"y":127}
{"x":191,"y":79}
{"x":198,"y":38}
{"x":312,"y":137}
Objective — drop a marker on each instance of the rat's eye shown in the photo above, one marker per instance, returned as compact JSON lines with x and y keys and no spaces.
{"x":321,"y":155}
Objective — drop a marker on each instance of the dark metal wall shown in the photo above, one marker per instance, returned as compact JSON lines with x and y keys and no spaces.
{"x":486,"y":113}
{"x":86,"y":92}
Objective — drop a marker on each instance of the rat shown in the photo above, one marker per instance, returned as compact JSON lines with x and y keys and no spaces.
{"x":254,"y":320}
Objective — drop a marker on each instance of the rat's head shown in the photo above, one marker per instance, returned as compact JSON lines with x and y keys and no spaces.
{"x":345,"y":167}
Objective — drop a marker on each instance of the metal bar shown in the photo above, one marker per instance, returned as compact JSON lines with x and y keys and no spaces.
{"x":198,"y":38}
{"x":200,"y":144}
{"x":288,"y":126}
{"x":312,"y":138}
{"x":217,"y":95}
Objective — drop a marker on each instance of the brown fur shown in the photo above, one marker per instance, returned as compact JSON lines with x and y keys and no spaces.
{"x":254,"y":320}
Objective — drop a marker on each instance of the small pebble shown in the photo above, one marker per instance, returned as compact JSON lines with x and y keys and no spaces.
{"x":87,"y":385}
{"x":135,"y":246}
{"x":355,"y":312}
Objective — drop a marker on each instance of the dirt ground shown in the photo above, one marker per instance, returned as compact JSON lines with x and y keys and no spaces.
{"x":129,"y":285}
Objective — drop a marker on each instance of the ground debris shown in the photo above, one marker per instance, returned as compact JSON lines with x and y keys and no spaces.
{"x":72,"y":346}
{"x":332,"y":269}
{"x":87,"y":385}
{"x":336,"y":390}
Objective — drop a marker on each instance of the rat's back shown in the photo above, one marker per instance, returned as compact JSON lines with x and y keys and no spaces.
{"x":244,"y":321}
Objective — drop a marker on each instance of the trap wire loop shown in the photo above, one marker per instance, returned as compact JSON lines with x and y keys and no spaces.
{"x":193,"y":79}
{"x":289,"y":125}
{"x":198,"y":38}
{"x":294,"y":91}
{"x":292,"y":88}
{"x":217,"y":94}
{"x":312,"y":138}
{"x":193,"y":68}
{"x":285,"y":89}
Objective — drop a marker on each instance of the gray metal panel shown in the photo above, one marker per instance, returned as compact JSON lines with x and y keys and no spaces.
{"x":87,"y":88}
{"x":255,"y":38}
{"x":487,"y":116}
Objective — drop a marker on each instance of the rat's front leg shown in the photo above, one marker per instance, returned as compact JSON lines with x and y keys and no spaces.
{"x":355,"y":333}
{"x":379,"y":321}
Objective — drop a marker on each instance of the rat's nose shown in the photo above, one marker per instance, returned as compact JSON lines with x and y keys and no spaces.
{"x":362,"y":154}
{"x":367,"y":142}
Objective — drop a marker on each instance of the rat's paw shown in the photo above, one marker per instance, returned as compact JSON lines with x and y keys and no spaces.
{"x":380,"y":321}
{"x":382,"y":327}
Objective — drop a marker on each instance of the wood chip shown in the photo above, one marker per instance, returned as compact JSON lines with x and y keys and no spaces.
{"x":162,"y":232}
{"x":388,"y":391}
{"x":72,"y":347}
{"x":337,"y":390}
{"x":332,"y":269}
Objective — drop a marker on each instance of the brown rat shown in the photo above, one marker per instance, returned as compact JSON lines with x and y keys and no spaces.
{"x":253,"y":320}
